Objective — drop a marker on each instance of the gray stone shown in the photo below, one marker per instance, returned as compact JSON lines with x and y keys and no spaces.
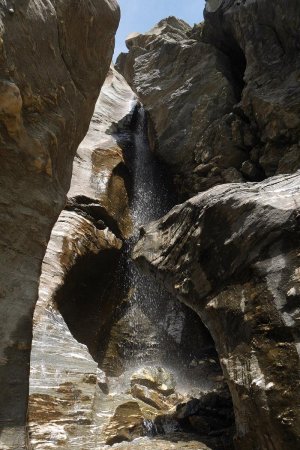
{"x":232,"y":254}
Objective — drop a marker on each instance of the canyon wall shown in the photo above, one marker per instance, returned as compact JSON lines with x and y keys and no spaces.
{"x":232,"y":254}
{"x":54,"y":58}
{"x":78,"y":289}
{"x":223,"y":99}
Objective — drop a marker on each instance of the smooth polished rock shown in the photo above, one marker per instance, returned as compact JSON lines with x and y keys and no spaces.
{"x":232,"y":254}
{"x":54,"y":57}
{"x":100,"y":176}
{"x":78,"y":290}
{"x":169,"y":442}
{"x":64,"y":378}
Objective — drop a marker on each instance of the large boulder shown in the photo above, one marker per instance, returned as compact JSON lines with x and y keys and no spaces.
{"x":232,"y":254}
{"x":54,"y":57}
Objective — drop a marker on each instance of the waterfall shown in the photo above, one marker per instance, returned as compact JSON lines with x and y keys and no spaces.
{"x":150,"y":191}
{"x":150,"y":326}
{"x":148,"y":301}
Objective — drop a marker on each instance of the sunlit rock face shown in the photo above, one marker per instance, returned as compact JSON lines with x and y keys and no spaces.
{"x":186,"y":88}
{"x":54,"y":57}
{"x":100,"y":177}
{"x":64,"y":377}
{"x":232,"y":254}
{"x":223,"y":97}
{"x":78,"y":289}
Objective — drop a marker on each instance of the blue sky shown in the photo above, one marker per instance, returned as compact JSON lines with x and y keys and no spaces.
{"x":142,"y":15}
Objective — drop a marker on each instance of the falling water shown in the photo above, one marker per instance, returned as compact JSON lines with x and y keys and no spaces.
{"x":151,"y":329}
{"x":155,"y":319}
{"x":151,"y":197}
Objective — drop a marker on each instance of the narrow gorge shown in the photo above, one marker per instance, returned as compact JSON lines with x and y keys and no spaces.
{"x":163,"y":310}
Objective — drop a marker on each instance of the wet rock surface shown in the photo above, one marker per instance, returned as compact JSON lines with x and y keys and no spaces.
{"x":126,"y":424}
{"x":171,"y":417}
{"x":231,"y":253}
{"x":155,"y":377}
{"x":86,"y":317}
{"x":233,"y":114}
{"x":48,"y":90}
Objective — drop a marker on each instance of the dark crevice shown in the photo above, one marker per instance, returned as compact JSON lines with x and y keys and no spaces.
{"x":94,"y":212}
{"x":238,"y":64}
{"x":90,"y":294}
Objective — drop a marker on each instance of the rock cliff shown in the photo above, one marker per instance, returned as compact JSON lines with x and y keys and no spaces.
{"x":233,"y":113}
{"x":222,"y":101}
{"x":54,"y":57}
{"x":232,"y":254}
{"x":78,"y":291}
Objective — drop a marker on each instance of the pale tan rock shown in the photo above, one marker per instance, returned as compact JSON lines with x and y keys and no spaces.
{"x":126,"y":424}
{"x":99,"y":171}
{"x":54,"y":57}
{"x":64,"y":379}
{"x":156,"y":378}
{"x":152,"y":397}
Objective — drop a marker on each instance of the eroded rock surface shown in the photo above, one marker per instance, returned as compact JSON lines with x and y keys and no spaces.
{"x":233,"y":113}
{"x":64,"y":377}
{"x":100,"y":177}
{"x":48,"y":90}
{"x":232,"y":254}
{"x":78,"y":289}
{"x":181,"y":108}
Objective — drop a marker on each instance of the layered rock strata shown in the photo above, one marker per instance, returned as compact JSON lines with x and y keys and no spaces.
{"x":77,"y":291}
{"x":232,"y":254}
{"x":223,"y":97}
{"x":54,"y":57}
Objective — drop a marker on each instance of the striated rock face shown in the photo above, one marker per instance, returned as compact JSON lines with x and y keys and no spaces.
{"x":224,"y":96}
{"x":181,"y":108}
{"x":64,"y":378}
{"x":48,"y":90}
{"x":232,"y":254}
{"x":100,"y":177}
{"x":78,"y":289}
{"x":268,"y":40}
